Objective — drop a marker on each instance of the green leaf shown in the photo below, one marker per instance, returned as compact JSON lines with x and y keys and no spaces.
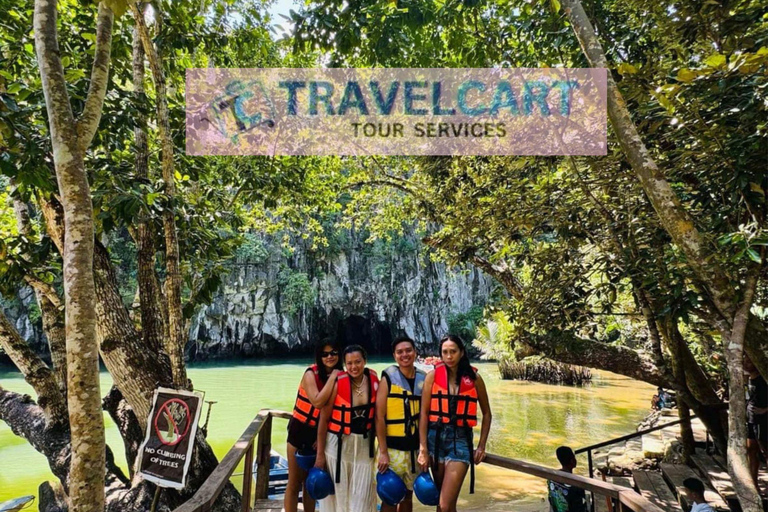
{"x":626,"y":68}
{"x":754,"y":255}
{"x":686,"y":75}
{"x":716,"y":60}
{"x":118,"y":6}
{"x":555,"y":4}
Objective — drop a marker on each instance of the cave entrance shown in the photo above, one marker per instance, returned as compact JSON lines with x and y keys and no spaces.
{"x":374,"y":336}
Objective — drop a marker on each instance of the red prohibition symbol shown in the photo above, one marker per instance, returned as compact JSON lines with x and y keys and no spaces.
{"x":178,"y":436}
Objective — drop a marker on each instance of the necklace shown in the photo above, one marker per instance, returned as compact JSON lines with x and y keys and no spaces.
{"x":359,"y":387}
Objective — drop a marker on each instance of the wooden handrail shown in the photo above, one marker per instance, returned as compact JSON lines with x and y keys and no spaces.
{"x":204,"y":498}
{"x":629,"y":436}
{"x":628,"y":497}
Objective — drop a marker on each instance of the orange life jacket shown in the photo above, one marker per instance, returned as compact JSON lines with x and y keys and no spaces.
{"x":303,"y":410}
{"x":340,"y":421}
{"x":465,"y":413}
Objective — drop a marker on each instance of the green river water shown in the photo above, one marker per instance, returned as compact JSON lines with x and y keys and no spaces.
{"x":530,"y":420}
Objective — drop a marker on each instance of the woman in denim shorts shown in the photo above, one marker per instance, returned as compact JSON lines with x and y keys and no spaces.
{"x":449,"y":403}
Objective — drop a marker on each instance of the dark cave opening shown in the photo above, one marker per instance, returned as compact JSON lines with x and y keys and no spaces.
{"x":374,"y":336}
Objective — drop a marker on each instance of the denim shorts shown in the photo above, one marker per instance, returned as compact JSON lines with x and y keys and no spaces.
{"x":455,"y":443}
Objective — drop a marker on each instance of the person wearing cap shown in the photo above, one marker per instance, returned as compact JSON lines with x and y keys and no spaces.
{"x":398,"y":407}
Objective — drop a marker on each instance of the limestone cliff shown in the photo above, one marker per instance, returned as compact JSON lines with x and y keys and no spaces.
{"x":276,"y":301}
{"x":357,"y":292}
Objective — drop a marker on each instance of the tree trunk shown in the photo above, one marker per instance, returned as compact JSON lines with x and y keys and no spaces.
{"x":55,"y":333}
{"x":177,"y":339}
{"x":686,"y":431}
{"x":127,"y":423}
{"x":136,"y":369}
{"x":738,"y":465}
{"x":693,"y":387}
{"x":150,"y":297}
{"x":69,"y":140}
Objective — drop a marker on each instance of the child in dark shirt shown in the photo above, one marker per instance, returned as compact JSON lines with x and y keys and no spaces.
{"x":564,"y":497}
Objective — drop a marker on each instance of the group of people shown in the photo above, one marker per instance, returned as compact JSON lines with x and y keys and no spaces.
{"x":419,"y":421}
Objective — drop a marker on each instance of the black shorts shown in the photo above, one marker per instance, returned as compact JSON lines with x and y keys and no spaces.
{"x":301,"y":436}
{"x":758,"y":431}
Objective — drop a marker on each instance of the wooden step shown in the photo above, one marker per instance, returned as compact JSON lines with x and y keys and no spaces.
{"x":654,"y":488}
{"x":675,"y":474}
{"x":623,"y":481}
{"x":271,"y":506}
{"x":717,"y":475}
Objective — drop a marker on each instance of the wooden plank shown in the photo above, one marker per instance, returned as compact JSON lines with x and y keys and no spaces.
{"x":588,"y":484}
{"x":718,"y":477}
{"x":622,"y":481}
{"x":653,"y":487}
{"x":675,"y":474}
{"x":271,"y":506}
{"x":263,"y":456}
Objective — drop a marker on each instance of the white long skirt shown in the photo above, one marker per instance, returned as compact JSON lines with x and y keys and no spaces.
{"x":357,"y":490}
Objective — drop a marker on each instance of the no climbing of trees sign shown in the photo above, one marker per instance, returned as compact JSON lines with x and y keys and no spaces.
{"x":166,"y":452}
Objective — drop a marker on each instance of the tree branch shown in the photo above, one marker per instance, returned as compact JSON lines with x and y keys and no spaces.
{"x":570,"y":349}
{"x":89,"y":120}
{"x":57,"y":103}
{"x":44,"y":288}
{"x":675,"y":219}
{"x":35,"y":372}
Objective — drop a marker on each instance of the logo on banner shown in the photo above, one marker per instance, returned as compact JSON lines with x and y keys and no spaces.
{"x":166,"y":452}
{"x":379,"y":111}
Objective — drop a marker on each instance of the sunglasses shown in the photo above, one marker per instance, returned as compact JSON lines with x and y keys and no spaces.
{"x":332,"y":353}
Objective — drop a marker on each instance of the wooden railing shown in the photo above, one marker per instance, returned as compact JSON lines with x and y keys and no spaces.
{"x":261,"y":426}
{"x":589,"y":449}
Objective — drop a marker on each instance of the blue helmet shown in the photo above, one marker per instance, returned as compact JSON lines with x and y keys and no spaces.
{"x":426,"y":490}
{"x":306,"y":460}
{"x":390,"y":487}
{"x":319,"y":484}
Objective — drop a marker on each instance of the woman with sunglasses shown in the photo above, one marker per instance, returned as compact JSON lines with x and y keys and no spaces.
{"x":315,"y":390}
{"x":449,"y":403}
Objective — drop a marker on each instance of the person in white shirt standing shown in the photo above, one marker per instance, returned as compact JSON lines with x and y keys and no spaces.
{"x":694,"y":491}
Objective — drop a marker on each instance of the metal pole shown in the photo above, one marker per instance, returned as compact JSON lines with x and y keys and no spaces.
{"x":591,"y":475}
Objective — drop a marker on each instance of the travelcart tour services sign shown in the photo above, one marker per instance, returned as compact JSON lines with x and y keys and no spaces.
{"x":396,"y":111}
{"x":166,"y":452}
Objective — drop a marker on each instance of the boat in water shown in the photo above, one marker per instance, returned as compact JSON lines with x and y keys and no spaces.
{"x":17,"y":504}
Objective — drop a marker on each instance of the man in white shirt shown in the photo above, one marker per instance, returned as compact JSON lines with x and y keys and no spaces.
{"x":694,"y":492}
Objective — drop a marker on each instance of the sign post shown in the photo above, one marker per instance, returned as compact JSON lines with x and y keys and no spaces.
{"x":166,"y":452}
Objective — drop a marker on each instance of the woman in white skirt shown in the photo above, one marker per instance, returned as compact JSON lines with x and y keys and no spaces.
{"x":345,"y":437}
